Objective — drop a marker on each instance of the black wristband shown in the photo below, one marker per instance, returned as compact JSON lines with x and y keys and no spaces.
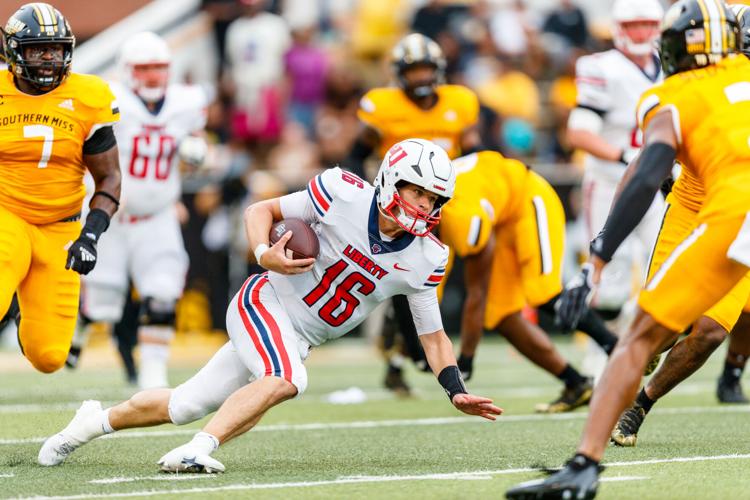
{"x":450,"y":379}
{"x":96,"y":223}
{"x":106,"y":195}
{"x":622,"y":159}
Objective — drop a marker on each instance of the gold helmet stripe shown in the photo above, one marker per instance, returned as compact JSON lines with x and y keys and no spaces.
{"x":723,"y":21}
{"x":706,"y":26}
{"x":713,"y":21}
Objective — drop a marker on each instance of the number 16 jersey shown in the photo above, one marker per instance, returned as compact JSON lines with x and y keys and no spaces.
{"x":148,"y":145}
{"x":357,"y":268}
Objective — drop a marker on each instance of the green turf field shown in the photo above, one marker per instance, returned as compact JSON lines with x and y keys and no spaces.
{"x":383,"y":448}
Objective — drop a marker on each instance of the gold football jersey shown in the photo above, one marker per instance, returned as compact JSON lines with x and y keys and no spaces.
{"x":490,"y":190}
{"x":710,"y":106}
{"x":396,"y":117}
{"x":41,"y":145}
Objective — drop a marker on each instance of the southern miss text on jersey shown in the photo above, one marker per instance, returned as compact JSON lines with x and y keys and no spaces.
{"x":610,"y":84}
{"x":148,"y":145}
{"x":357,"y":267}
{"x":41,"y":145}
{"x":396,"y":117}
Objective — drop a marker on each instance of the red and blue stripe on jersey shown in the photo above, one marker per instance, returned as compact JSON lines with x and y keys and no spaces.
{"x":263,"y":330}
{"x":319,"y":195}
{"x":436,"y":277}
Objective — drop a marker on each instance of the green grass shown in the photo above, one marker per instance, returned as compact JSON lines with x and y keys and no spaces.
{"x":688,"y":423}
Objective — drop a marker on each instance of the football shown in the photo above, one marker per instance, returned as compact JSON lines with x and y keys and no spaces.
{"x":304,"y":243}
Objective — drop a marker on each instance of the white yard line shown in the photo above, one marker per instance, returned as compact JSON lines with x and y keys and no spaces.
{"x":2,"y":476}
{"x":622,"y":478}
{"x":372,"y":395}
{"x":160,"y":477}
{"x":417,"y":422}
{"x":470,"y":475}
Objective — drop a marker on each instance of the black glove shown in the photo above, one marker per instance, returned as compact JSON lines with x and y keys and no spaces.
{"x":82,"y":253}
{"x":466,"y":366}
{"x":574,"y":299}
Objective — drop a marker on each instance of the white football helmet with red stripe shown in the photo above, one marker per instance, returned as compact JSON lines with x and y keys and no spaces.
{"x":144,"y":61}
{"x":628,"y":37}
{"x":419,"y":162}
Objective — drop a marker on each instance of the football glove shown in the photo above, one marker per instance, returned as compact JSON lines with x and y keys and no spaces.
{"x":575,"y":299}
{"x":466,"y":366}
{"x":82,"y":253}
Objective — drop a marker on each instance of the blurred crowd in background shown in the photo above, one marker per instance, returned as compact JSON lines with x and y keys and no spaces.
{"x":290,"y":78}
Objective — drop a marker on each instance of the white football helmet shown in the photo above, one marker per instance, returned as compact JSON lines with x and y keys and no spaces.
{"x":419,"y":162}
{"x":142,"y":49}
{"x":629,"y":11}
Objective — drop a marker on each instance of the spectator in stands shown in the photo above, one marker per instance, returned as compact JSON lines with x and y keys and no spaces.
{"x":306,"y":66}
{"x":432,"y":19}
{"x":569,"y":23}
{"x":336,"y":122}
{"x":255,"y":47}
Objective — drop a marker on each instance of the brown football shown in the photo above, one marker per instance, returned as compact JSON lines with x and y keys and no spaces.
{"x":304,"y":243}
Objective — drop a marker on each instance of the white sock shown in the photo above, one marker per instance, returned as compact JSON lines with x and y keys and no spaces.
{"x":104,"y":422}
{"x":154,"y":352}
{"x":205,"y":442}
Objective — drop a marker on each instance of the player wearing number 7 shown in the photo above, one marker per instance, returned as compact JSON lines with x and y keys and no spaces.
{"x":375,"y":242}
{"x":54,"y":125}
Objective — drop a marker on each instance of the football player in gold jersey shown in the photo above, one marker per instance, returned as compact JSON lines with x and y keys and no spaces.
{"x":54,"y":125}
{"x":698,"y":117}
{"x":420,"y":106}
{"x":684,"y":204}
{"x":508,"y":225}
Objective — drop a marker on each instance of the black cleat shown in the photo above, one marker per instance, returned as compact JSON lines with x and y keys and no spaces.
{"x":625,"y":432}
{"x":74,"y":354}
{"x":578,"y":480}
{"x":394,"y":381}
{"x":570,"y":399}
{"x":730,"y":392}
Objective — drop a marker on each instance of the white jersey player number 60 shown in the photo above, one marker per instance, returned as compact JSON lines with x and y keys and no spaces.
{"x":48,"y":133}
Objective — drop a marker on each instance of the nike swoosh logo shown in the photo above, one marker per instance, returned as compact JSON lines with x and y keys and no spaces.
{"x":397,"y":267}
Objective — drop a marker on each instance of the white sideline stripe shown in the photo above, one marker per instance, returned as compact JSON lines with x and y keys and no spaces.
{"x":622,"y":478}
{"x":417,"y":422}
{"x":7,"y":475}
{"x":469,"y":475}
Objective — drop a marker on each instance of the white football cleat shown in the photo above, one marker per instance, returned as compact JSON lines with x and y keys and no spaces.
{"x":186,"y":458}
{"x":58,"y":447}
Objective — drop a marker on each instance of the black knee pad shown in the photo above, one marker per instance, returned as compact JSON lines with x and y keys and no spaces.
{"x":157,"y":312}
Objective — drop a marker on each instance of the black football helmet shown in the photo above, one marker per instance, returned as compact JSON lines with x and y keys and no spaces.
{"x":697,"y":33}
{"x":38,"y":24}
{"x":418,"y":50}
{"x":742,"y":13}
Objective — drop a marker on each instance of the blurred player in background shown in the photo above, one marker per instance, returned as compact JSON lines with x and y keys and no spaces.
{"x":508,"y":225}
{"x":375,"y":242}
{"x":54,"y":125}
{"x":145,"y":241}
{"x":697,"y":116}
{"x":420,"y":105}
{"x":603,"y":125}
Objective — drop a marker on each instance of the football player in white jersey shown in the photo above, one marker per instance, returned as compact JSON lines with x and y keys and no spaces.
{"x":145,"y":243}
{"x":375,"y":242}
{"x":603,"y":124}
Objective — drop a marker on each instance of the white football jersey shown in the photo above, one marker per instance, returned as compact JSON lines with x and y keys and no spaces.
{"x":610,"y":84}
{"x":148,"y":145}
{"x":356,"y":269}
